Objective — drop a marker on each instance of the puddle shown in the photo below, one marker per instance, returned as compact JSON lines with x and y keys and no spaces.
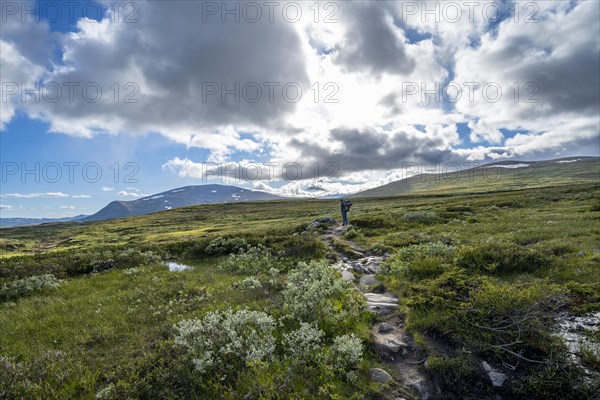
{"x":176,"y":267}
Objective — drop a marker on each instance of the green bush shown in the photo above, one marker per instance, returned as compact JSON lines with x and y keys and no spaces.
{"x":459,"y":209}
{"x":421,"y":260}
{"x":421,"y":217}
{"x":27,"y":286}
{"x":223,"y":343}
{"x":501,"y":258}
{"x":306,"y":245}
{"x":352,"y":233}
{"x":254,"y":260}
{"x":371,"y":222}
{"x":314,"y":293}
{"x":223,"y":246}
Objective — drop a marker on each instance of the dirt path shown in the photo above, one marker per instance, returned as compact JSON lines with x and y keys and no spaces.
{"x":388,"y":337}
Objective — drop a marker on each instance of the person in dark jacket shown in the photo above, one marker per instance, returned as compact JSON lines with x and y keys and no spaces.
{"x":345,"y":207}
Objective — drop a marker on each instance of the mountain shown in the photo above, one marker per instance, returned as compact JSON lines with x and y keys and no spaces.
{"x":497,"y":176}
{"x":10,"y":222}
{"x":180,"y":197}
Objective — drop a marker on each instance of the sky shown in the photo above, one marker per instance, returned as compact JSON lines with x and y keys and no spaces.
{"x":103,"y":101}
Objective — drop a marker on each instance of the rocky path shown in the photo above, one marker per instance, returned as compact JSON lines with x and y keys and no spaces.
{"x":401,"y":366}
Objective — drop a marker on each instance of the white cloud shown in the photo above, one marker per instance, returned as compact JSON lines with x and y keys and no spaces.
{"x":35,"y":195}
{"x":368,"y":126}
{"x":82,"y":196}
{"x":67,"y":207}
{"x":123,"y":193}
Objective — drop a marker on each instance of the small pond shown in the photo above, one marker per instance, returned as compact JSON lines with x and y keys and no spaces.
{"x":176,"y":267}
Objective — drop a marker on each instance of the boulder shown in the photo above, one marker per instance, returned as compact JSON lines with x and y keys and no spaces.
{"x":368,"y":280}
{"x":496,"y":377}
{"x":379,"y":375}
{"x":384,"y":327}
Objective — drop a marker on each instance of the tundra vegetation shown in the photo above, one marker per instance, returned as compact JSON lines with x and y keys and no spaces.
{"x":90,"y":310}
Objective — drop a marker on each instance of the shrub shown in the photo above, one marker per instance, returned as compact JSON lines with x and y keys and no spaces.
{"x":371,"y":222}
{"x":254,"y":260}
{"x":459,"y":373}
{"x":223,"y":343}
{"x":306,"y":245}
{"x":346,"y":352}
{"x":249,"y":284}
{"x":459,"y":209}
{"x":315,"y":294}
{"x":379,"y":248}
{"x":27,"y":286}
{"x":421,"y":260}
{"x":222,"y":246}
{"x":352,"y":233}
{"x":501,"y":258}
{"x":421,"y":217}
{"x":304,"y":344}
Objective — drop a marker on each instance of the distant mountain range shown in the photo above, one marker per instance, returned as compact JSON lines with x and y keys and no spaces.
{"x":9,"y":222}
{"x":180,"y":197}
{"x":501,"y":175}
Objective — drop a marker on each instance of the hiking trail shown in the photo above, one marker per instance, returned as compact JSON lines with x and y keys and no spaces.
{"x":389,"y":339}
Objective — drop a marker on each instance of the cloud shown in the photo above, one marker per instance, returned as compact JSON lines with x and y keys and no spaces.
{"x":171,"y":91}
{"x":372,"y":43}
{"x":107,"y":189}
{"x":124,"y":193}
{"x":68,"y":207}
{"x":35,"y":195}
{"x":81,"y":196}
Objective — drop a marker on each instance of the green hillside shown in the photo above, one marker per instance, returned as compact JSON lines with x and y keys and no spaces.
{"x":91,"y":311}
{"x":495,"y":177}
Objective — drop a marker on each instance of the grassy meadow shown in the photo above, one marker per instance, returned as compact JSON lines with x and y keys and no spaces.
{"x":90,"y":310}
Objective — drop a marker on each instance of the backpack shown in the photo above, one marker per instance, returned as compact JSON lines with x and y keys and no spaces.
{"x":347,"y":205}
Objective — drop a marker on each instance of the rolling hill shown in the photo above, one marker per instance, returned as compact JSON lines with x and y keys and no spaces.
{"x":497,"y":176}
{"x":10,"y":222}
{"x":180,"y":197}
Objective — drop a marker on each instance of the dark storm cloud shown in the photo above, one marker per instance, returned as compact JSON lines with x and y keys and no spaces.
{"x":363,"y":150}
{"x":370,"y":44}
{"x":177,"y":58}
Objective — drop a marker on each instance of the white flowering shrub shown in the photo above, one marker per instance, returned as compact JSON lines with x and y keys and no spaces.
{"x":249,"y":284}
{"x":27,"y":286}
{"x":224,"y":342}
{"x":131,"y":271}
{"x":256,"y":259}
{"x":346,"y":352}
{"x":315,"y":293}
{"x":304,"y":344}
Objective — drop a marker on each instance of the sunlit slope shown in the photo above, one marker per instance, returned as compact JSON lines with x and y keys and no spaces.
{"x":499,"y":176}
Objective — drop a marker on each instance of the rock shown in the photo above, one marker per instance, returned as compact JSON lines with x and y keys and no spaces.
{"x":384,"y":327}
{"x":347,"y":275}
{"x":581,"y":254}
{"x":368,"y":280}
{"x":327,"y":221}
{"x":358,"y":268}
{"x":387,"y":346}
{"x":496,"y":377}
{"x":379,"y":375}
{"x":380,"y":303}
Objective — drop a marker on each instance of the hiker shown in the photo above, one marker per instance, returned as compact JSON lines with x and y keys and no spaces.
{"x":345,"y":207}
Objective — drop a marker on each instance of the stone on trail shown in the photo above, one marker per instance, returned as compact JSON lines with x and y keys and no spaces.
{"x":368,"y":280}
{"x":384,"y":327}
{"x":380,"y":303}
{"x":347,"y":275}
{"x":379,"y":375}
